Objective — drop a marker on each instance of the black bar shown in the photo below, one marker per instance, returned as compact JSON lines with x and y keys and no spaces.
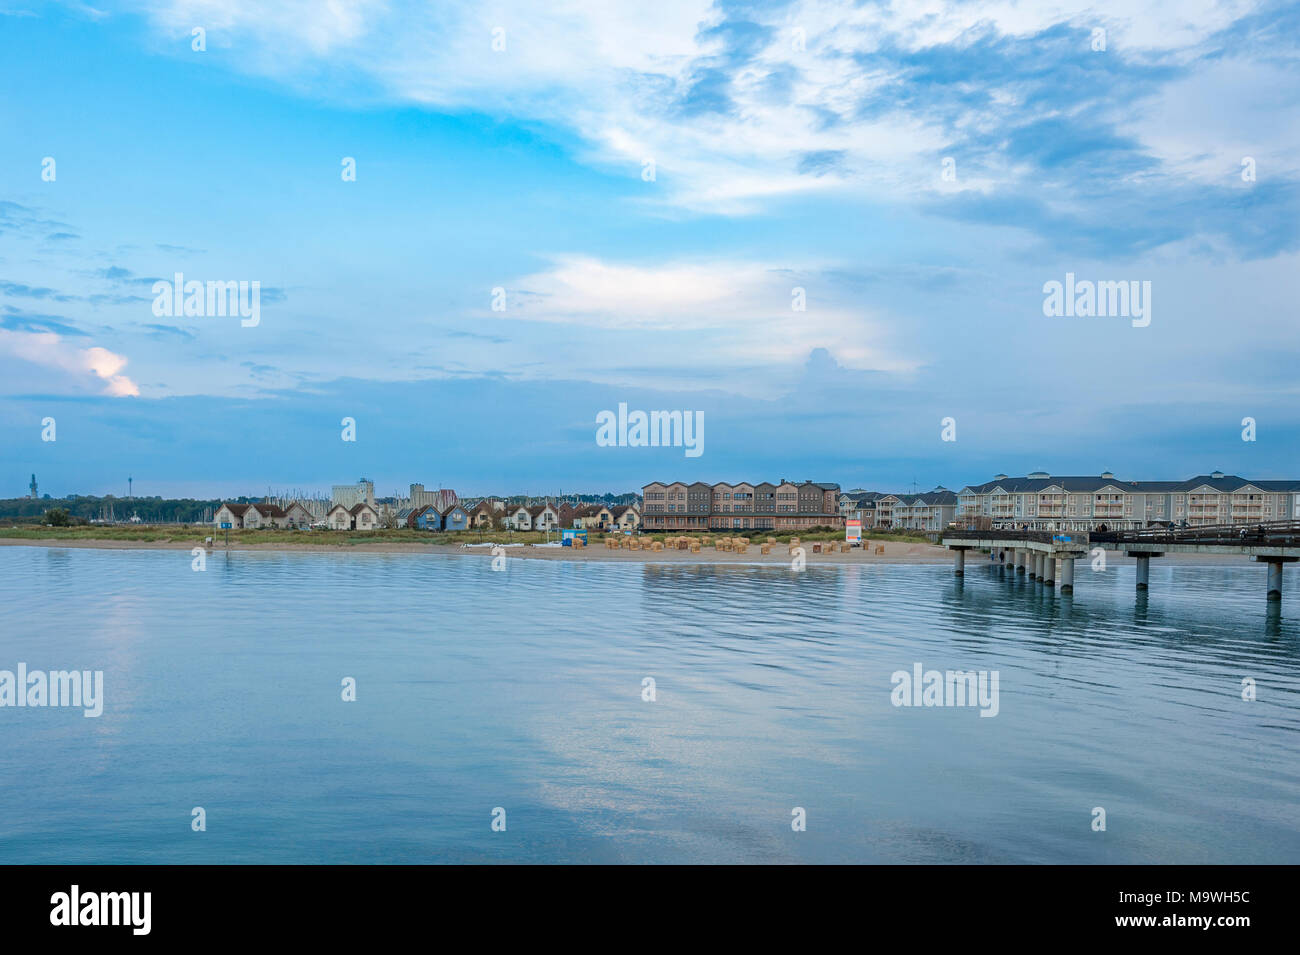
{"x":943,"y":905}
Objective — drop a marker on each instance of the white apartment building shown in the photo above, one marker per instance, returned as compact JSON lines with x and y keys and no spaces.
{"x":932,"y":511}
{"x":1049,"y":502}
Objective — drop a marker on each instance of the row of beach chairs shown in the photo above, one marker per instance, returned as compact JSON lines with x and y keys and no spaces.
{"x":732,"y":545}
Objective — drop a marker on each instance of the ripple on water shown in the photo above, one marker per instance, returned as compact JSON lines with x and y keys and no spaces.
{"x":523,"y":689}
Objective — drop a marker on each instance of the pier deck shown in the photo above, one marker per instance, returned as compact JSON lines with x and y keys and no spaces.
{"x":1037,"y":552}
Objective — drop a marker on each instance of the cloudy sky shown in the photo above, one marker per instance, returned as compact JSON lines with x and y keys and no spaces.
{"x":649,"y":184}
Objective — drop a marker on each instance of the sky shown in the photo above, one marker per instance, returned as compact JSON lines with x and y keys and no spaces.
{"x":825,"y":228}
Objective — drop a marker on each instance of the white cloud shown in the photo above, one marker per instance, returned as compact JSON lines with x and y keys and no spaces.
{"x":1204,"y":124}
{"x":51,"y":351}
{"x":616,"y":74}
{"x":726,"y":315}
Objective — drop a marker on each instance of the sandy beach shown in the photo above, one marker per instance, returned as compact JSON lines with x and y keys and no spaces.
{"x":895,"y":552}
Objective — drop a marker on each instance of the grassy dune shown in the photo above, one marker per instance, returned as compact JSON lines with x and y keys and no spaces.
{"x":194,"y":533}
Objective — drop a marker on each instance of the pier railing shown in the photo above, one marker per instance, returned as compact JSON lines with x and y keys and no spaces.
{"x":1266,"y":534}
{"x":1039,"y":537}
{"x":1266,"y":541}
{"x":1270,"y":534}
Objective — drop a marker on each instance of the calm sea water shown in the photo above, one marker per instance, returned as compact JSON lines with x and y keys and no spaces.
{"x":522,"y":689}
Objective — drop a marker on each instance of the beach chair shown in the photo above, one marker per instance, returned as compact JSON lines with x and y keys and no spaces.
{"x":880,"y":548}
{"x":742,"y":545}
{"x":817,"y":547}
{"x":695,"y":547}
{"x":765,"y":548}
{"x":656,"y":545}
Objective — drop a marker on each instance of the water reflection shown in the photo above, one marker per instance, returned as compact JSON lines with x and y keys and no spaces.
{"x":524,"y":688}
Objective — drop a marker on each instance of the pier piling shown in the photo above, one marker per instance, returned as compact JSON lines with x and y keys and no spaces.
{"x":1143,"y":570}
{"x":1035,"y":551}
{"x":1275,"y":574}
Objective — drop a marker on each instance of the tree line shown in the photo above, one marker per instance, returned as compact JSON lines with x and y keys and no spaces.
{"x":86,"y":508}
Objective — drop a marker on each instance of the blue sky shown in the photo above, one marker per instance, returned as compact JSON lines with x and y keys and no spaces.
{"x":797,"y":145}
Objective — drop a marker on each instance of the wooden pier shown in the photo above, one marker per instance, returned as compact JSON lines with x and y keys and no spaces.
{"x":1039,"y":553}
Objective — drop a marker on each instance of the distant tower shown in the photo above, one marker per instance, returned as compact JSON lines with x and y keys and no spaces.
{"x":130,"y":490}
{"x":32,"y":487}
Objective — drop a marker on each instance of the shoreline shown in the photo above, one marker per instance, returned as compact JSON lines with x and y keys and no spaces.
{"x":896,"y":552}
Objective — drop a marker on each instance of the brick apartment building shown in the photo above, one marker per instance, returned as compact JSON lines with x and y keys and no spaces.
{"x":784,"y":506}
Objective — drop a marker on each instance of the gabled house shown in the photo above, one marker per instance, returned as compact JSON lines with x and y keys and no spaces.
{"x":364,"y":517}
{"x":405,"y":516}
{"x":625,"y":518}
{"x":591,"y":517}
{"x":536,"y":517}
{"x":427,"y":518}
{"x":485,"y":513}
{"x":273,"y":515}
{"x":358,"y":517}
{"x":544,"y":517}
{"x":297,"y":516}
{"x":230,"y":514}
{"x":455,"y":519}
{"x":250,"y":516}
